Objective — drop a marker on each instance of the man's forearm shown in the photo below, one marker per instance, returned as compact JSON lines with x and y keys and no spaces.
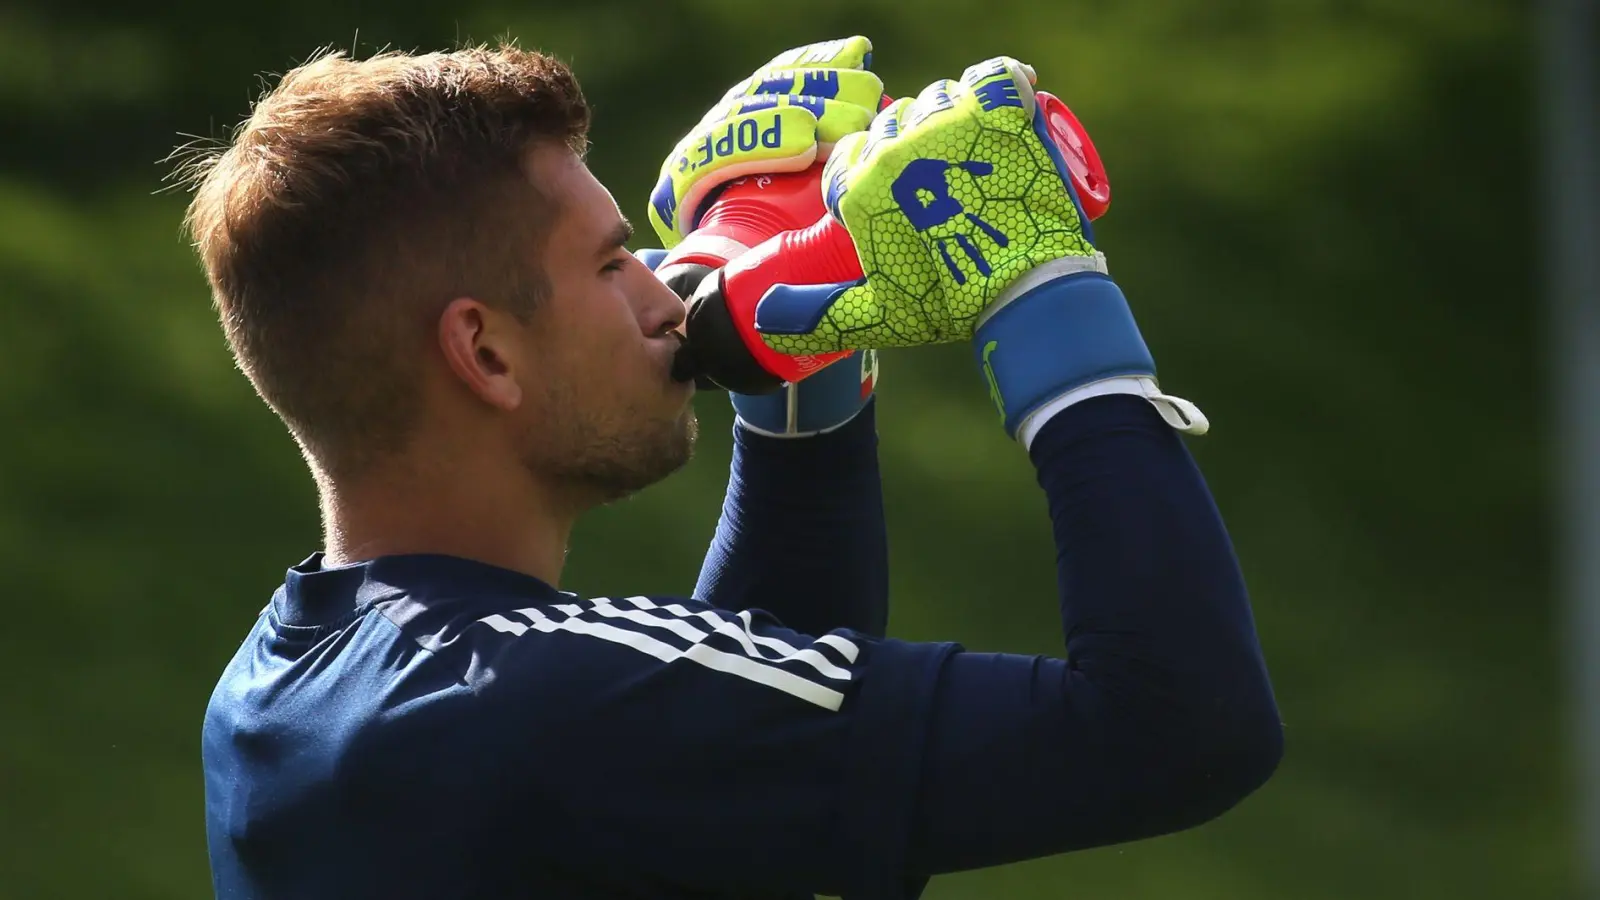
{"x":1160,"y":718}
{"x":802,"y":532}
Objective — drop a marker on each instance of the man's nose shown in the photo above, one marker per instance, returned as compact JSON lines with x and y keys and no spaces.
{"x":662,"y":311}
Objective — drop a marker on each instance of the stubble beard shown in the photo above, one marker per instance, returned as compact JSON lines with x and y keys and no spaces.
{"x":610,"y":461}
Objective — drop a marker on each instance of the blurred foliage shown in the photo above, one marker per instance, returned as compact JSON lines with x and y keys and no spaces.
{"x":1321,"y":213}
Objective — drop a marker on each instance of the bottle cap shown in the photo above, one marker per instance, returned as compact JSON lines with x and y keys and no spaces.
{"x":1083,"y":161}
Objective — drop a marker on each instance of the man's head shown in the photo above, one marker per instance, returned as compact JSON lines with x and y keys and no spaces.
{"x":410,"y":258}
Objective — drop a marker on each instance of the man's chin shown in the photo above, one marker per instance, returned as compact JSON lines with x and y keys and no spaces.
{"x":686,"y":433}
{"x":670,"y":451}
{"x":689,"y":429}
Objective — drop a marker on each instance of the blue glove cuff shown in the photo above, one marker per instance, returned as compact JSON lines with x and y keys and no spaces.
{"x":652,"y":257}
{"x":1062,"y":334}
{"x":816,"y":404}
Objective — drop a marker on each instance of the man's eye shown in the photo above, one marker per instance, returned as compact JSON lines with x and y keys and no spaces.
{"x":614,"y":266}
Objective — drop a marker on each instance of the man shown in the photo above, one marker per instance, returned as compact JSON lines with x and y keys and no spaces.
{"x":418,"y":273}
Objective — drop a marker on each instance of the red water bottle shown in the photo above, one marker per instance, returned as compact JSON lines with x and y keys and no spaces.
{"x":725,"y":346}
{"x":748,"y":211}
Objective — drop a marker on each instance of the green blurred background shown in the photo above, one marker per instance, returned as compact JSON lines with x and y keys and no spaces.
{"x":1322,"y":211}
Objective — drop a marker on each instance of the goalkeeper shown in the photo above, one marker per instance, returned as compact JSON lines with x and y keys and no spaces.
{"x":418,"y":273}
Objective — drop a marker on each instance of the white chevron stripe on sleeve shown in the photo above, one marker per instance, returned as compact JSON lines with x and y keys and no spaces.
{"x":748,"y":641}
{"x":742,"y":633}
{"x":760,"y":672}
{"x":846,"y":648}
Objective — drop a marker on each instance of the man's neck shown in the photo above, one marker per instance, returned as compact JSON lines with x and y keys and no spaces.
{"x":508,"y":522}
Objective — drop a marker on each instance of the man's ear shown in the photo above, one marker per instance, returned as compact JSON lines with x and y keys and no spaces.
{"x":480,"y":348}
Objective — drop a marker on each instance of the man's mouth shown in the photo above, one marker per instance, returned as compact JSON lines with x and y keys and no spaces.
{"x":685,"y":367}
{"x":688,"y":366}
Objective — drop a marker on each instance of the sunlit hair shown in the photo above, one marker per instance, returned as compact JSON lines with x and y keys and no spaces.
{"x":360,"y":197}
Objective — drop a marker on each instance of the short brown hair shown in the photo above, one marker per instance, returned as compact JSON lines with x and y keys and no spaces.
{"x":359,"y":198}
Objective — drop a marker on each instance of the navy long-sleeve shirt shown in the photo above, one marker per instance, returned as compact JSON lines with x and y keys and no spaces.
{"x":427,"y":726}
{"x":802,"y":533}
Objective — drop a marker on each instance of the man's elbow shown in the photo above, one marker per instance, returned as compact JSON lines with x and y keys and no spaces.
{"x":1230,"y":760}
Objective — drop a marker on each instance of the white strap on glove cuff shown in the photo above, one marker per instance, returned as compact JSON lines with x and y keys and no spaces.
{"x":1176,"y":411}
{"x":739,"y":420}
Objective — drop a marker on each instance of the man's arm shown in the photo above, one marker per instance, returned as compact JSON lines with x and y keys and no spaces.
{"x":802,"y":532}
{"x":734,"y":754}
{"x":1161,"y":716}
{"x":803,"y":511}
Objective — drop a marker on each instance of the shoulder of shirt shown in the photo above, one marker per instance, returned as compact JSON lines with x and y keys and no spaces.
{"x":588,"y":641}
{"x":437,"y":623}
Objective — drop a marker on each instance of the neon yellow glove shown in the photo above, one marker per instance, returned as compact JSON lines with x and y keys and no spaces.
{"x":961,"y":211}
{"x":784,"y":117}
{"x":949,"y":199}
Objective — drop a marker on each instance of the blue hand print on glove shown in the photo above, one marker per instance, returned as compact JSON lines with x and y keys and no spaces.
{"x":929,"y":175}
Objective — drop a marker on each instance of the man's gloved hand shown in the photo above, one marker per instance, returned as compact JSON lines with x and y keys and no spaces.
{"x":950,"y":198}
{"x":784,"y":117}
{"x":966,"y":227}
{"x":816,"y":405}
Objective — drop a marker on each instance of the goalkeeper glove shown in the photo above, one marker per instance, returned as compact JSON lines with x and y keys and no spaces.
{"x":965,"y":226}
{"x":784,"y":118}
